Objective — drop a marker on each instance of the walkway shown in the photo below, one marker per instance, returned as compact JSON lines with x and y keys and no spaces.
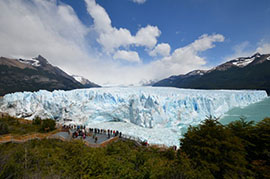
{"x":64,"y":136}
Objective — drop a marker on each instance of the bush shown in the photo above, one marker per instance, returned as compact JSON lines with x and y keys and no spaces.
{"x":47,"y":125}
{"x":36,"y":121}
{"x":3,"y":128}
{"x":212,"y":146}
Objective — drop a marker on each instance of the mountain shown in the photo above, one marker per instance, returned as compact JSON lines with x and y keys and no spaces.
{"x":33,"y":75}
{"x":85,"y":82}
{"x":241,"y":73}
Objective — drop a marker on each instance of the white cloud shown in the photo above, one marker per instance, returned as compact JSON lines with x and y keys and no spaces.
{"x":205,"y":42}
{"x":243,"y":50}
{"x":29,"y":28}
{"x":33,"y":27}
{"x":239,"y":50}
{"x":139,"y":1}
{"x":264,"y":48}
{"x":112,"y":38}
{"x":130,"y":56}
{"x":162,"y":49}
{"x":186,"y":58}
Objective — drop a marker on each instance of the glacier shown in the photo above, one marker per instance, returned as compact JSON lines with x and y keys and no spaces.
{"x":159,"y":115}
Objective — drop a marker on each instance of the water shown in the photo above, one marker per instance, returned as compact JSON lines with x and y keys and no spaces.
{"x":253,"y":112}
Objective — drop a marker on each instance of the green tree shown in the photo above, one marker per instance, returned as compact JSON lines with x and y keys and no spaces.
{"x":212,"y":146}
{"x":47,"y":125}
{"x":261,"y":149}
{"x":3,"y":128}
{"x":36,"y":121}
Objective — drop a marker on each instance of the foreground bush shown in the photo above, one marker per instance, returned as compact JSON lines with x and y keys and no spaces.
{"x":47,"y":125}
{"x":209,"y":150}
{"x":18,"y":126}
{"x":3,"y":128}
{"x":56,"y":159}
{"x":238,"y":150}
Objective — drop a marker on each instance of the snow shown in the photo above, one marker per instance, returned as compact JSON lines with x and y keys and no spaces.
{"x":78,"y":78}
{"x":241,"y":62}
{"x":33,"y":62}
{"x":156,"y":114}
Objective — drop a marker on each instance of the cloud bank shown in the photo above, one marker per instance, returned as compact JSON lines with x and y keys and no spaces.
{"x":102,"y":53}
{"x":139,"y":1}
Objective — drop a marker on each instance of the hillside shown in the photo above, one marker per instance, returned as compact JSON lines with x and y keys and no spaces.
{"x":241,"y":73}
{"x":33,"y":75}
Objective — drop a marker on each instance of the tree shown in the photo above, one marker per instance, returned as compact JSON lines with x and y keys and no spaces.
{"x":36,"y":121}
{"x":260,"y":155}
{"x":3,"y":128}
{"x":47,"y":125}
{"x":212,"y":146}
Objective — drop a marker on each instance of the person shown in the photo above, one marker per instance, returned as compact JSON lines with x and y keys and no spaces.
{"x":96,"y":139}
{"x":120,"y":134}
{"x":109,"y":135}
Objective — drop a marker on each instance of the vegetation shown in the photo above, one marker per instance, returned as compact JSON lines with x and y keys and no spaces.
{"x":3,"y":128}
{"x":47,"y":125}
{"x":254,"y":76}
{"x":240,"y":149}
{"x":16,"y":126}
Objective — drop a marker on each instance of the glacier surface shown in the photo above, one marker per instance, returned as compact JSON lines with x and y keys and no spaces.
{"x":157,"y":114}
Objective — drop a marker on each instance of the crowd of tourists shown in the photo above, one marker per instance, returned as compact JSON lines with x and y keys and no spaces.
{"x":81,"y":131}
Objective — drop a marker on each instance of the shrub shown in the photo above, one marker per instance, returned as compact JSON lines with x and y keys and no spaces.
{"x":3,"y":128}
{"x":47,"y":125}
{"x":36,"y":121}
{"x":212,"y":146}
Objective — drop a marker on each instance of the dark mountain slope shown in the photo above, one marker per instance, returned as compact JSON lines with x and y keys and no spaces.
{"x":242,"y":73}
{"x":33,"y":75}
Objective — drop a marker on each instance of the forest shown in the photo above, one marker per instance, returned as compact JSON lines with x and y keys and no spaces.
{"x":240,"y":149}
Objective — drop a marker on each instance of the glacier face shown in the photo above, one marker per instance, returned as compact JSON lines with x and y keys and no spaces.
{"x":157,"y":114}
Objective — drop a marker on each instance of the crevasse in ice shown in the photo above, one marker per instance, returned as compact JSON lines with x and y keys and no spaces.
{"x":158,"y":115}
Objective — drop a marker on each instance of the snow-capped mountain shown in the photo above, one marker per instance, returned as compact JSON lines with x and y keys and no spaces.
{"x":33,"y":62}
{"x":85,"y":82}
{"x":241,"y":73}
{"x":34,"y":74}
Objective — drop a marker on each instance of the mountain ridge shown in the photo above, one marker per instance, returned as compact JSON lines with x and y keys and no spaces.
{"x":35,"y":74}
{"x":241,"y":73}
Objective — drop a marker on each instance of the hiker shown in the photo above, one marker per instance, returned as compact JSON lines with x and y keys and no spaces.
{"x":120,"y":134}
{"x":109,"y":135}
{"x":96,"y":139}
{"x":73,"y":134}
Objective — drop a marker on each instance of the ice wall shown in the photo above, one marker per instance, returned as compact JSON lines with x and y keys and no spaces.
{"x":143,"y":107}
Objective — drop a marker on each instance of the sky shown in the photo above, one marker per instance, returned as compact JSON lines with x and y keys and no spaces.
{"x":132,"y":42}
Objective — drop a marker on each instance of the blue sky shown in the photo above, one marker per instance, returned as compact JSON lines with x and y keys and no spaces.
{"x":182,"y":22}
{"x":122,"y":42}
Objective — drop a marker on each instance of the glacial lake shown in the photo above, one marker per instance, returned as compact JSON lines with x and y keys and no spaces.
{"x":254,"y":112}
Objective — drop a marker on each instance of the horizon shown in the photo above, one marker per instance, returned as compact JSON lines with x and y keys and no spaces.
{"x":128,"y":42}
